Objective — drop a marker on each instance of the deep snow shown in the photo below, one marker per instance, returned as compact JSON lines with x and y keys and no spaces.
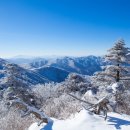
{"x":87,"y":121}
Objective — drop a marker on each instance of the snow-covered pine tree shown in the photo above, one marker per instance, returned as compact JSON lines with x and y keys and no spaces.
{"x":116,"y":76}
{"x":117,"y":70}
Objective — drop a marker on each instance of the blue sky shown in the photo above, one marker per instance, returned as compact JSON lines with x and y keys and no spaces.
{"x":62,"y":27}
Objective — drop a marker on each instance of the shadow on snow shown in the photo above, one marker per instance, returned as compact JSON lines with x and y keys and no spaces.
{"x":48,"y":126}
{"x":118,"y":122}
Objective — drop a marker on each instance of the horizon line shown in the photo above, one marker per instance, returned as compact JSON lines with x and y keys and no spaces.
{"x":46,"y":56}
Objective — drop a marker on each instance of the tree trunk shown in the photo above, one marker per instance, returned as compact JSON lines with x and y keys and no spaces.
{"x":118,"y":75}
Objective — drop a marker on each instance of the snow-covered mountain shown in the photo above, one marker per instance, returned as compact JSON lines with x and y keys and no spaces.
{"x":56,"y":69}
{"x":82,"y":65}
{"x":52,"y":73}
{"x":12,"y":73}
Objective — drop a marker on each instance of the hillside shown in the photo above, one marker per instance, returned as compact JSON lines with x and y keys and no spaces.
{"x":10,"y":73}
{"x":52,"y":73}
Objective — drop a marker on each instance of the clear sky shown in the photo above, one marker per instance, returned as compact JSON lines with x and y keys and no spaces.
{"x":62,"y":27}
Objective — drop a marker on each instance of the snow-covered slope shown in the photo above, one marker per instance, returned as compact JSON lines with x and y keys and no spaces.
{"x":29,"y":76}
{"x":52,"y":73}
{"x":14,"y":72}
{"x":86,"y":121}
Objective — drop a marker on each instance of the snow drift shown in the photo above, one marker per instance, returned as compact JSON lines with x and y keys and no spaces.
{"x":87,"y":121}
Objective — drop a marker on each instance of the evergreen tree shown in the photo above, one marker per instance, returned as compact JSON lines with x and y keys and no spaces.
{"x":118,"y":57}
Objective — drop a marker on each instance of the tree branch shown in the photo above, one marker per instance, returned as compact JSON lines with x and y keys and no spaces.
{"x":30,"y":110}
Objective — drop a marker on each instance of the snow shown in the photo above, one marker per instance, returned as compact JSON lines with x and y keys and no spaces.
{"x":116,"y":87}
{"x":89,"y":93}
{"x":71,"y":63}
{"x":87,"y":121}
{"x":35,"y":126}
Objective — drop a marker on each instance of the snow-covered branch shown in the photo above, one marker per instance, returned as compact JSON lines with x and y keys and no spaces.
{"x":30,"y":110}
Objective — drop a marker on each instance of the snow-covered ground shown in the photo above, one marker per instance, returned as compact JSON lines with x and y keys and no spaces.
{"x":86,"y":121}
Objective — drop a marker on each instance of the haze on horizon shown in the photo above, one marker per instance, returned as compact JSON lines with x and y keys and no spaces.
{"x":62,"y":28}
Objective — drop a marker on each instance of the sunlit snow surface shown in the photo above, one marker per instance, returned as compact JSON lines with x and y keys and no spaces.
{"x":86,"y":121}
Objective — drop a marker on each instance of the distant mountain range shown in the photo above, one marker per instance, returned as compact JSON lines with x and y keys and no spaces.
{"x":82,"y":65}
{"x":42,"y":70}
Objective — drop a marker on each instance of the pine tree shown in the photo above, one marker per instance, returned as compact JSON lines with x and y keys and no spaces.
{"x":118,"y":57}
